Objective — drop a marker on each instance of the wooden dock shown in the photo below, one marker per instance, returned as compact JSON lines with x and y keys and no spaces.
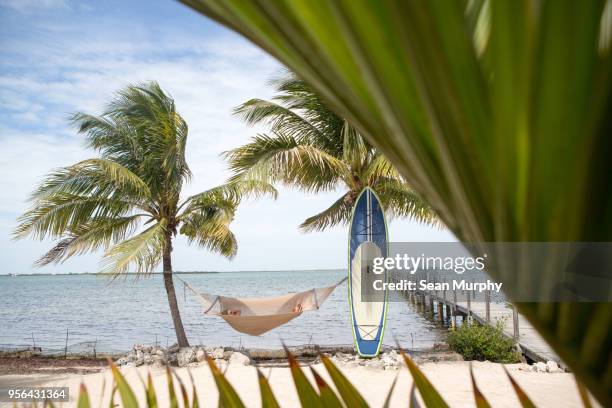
{"x":448,"y":305}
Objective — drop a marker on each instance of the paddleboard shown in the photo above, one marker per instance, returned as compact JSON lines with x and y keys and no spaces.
{"x":367,"y":240}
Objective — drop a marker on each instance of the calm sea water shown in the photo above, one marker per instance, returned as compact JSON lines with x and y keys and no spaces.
{"x":117,"y":314}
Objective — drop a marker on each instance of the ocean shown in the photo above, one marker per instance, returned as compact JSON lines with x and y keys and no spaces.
{"x":110,"y":316}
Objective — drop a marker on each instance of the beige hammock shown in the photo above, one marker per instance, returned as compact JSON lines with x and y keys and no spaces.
{"x":256,"y":316}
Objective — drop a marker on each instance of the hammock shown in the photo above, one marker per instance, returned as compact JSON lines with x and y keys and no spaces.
{"x":256,"y":316}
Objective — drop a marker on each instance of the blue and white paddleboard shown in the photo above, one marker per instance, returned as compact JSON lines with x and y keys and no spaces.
{"x":367,"y":240}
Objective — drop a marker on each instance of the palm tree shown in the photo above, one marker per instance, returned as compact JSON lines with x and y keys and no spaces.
{"x":127,"y":200}
{"x":313,"y":149}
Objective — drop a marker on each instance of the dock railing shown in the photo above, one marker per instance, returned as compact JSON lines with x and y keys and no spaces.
{"x":480,"y":307}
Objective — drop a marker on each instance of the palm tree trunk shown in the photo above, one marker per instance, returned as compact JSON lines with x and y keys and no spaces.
{"x":169,"y":283}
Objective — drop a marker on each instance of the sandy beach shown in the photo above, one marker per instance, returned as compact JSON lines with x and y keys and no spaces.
{"x":451,"y":379}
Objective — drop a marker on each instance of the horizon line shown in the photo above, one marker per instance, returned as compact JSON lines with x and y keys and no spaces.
{"x":174,"y":272}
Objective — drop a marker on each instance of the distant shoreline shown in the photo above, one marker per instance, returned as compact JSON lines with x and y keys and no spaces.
{"x":175,"y":272}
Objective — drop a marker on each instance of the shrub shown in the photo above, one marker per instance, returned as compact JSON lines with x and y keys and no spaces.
{"x":483,"y":342}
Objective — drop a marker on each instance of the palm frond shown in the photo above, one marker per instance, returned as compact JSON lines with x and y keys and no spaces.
{"x":94,"y":188}
{"x":355,"y":150}
{"x":380,"y":167}
{"x":282,"y":158}
{"x":215,"y":206}
{"x":210,"y":230}
{"x":338,"y":213}
{"x":278,"y":118}
{"x":63,"y":212}
{"x":229,"y":194}
{"x":100,"y":177}
{"x":298,"y":111}
{"x":142,"y":130}
{"x":206,"y":217}
{"x":251,"y":188}
{"x":399,"y":200}
{"x":141,"y":253}
{"x":112,"y":137}
{"x":99,"y":233}
{"x":295,"y":95}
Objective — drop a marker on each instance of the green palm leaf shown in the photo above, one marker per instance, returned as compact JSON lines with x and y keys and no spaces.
{"x":268,"y":400}
{"x":173,"y":399}
{"x":399,"y":200}
{"x":89,"y":236}
{"x":141,"y":252}
{"x":430,"y":395}
{"x":306,"y":392}
{"x":283,"y":158}
{"x":228,"y":397}
{"x":150,"y":393}
{"x":279,"y":118}
{"x":98,"y":176}
{"x":64,"y":212}
{"x":128,"y":398}
{"x":496,"y":115}
{"x":83,"y":400}
{"x":380,"y":167}
{"x":227,"y":195}
{"x":347,"y":391}
{"x":521,"y":395}
{"x":338,"y":213}
{"x":329,"y":399}
{"x":479,"y":398}
{"x":210,"y":233}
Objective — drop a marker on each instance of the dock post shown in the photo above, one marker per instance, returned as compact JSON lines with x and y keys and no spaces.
{"x":488,"y":306}
{"x":454,"y":313}
{"x":515,"y":322}
{"x":435,"y":291}
{"x":440,"y":311}
{"x":444,"y":293}
{"x":469,"y":307}
{"x":444,"y":302}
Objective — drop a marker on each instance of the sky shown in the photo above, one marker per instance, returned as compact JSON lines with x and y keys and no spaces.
{"x":58,"y":57}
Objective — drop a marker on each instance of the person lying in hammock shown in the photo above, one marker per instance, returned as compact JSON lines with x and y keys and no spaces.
{"x":237,"y":312}
{"x":231,"y":312}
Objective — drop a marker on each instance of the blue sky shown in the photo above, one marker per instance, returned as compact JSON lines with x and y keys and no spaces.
{"x":58,"y":57}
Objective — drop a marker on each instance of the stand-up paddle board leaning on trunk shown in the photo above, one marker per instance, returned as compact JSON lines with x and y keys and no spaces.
{"x":367,"y":240}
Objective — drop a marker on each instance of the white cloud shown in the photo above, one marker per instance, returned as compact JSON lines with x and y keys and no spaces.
{"x":26,"y":6}
{"x":70,"y":68}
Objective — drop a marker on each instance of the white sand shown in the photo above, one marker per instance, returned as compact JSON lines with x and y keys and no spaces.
{"x":450,"y":378}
